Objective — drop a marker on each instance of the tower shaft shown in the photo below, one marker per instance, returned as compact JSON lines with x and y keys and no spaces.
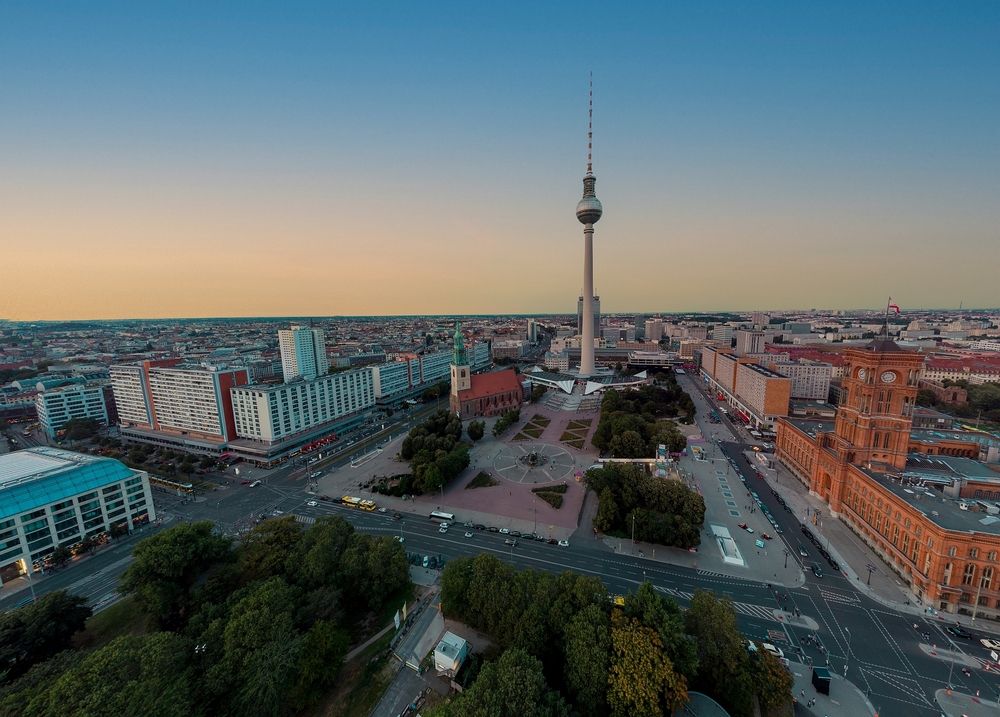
{"x":587,"y":333}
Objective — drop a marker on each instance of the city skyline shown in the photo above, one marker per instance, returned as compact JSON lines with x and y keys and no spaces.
{"x":271,"y":163}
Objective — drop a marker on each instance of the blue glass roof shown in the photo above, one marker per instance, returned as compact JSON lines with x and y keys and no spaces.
{"x":38,"y":476}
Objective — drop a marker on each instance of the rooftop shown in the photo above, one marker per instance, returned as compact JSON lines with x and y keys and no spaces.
{"x":42,"y":475}
{"x":490,"y":384}
{"x":939,"y":509}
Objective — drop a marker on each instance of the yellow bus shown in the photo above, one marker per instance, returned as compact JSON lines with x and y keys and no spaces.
{"x":359,"y":503}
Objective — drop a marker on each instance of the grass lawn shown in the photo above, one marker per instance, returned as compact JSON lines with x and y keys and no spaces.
{"x":122,"y":618}
{"x":579,"y":424}
{"x":570,"y":436}
{"x":540,"y":420}
{"x":521,"y":437}
{"x":577,"y":444}
{"x":561,"y":488}
{"x":552,"y":498}
{"x":482,"y":480}
{"x":533,"y":431}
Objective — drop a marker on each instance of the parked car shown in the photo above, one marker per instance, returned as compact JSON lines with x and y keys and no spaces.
{"x":834,"y":565}
{"x":564,"y":543}
{"x":990,"y":644}
{"x":776,"y":651}
{"x":493,"y":529}
{"x":766,"y":536}
{"x":515,"y":533}
{"x":468,"y":534}
{"x":397,"y":516}
{"x":479,"y":526}
{"x":504,"y":531}
{"x":443,"y":528}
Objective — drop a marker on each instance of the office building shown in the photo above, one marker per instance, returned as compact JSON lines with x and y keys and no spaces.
{"x":272,"y":413}
{"x":760,"y":319}
{"x":303,"y":353}
{"x":510,"y":350}
{"x":56,"y":407}
{"x":50,"y":498}
{"x":749,"y":342}
{"x":532,"y":331}
{"x":653,"y":329}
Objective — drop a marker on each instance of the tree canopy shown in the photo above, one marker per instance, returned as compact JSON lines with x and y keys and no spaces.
{"x":634,"y":423}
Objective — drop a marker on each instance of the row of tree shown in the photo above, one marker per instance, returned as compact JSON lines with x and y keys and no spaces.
{"x":567,"y":650}
{"x":257,"y":628}
{"x":634,"y":503}
{"x":984,"y":400}
{"x":508,"y":419}
{"x":436,"y":452}
{"x":633,"y":424}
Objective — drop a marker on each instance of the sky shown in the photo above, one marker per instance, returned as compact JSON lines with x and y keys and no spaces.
{"x":297,"y":158}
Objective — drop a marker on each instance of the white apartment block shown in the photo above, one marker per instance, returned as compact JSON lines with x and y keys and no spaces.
{"x":58,"y":406}
{"x":810,"y":379}
{"x":128,"y":381}
{"x":272,"y":413}
{"x":194,"y":399}
{"x":303,"y":353}
{"x":749,"y":342}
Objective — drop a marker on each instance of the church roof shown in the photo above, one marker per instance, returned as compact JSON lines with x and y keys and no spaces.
{"x":882,"y":345}
{"x":490,"y":384}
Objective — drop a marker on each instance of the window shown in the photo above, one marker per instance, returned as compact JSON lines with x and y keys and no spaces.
{"x":969,"y":574}
{"x":973,"y":552}
{"x":987,"y":577}
{"x":952,"y":552}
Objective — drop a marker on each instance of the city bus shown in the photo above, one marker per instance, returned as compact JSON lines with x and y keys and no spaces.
{"x":439,"y":516}
{"x":359,"y":503}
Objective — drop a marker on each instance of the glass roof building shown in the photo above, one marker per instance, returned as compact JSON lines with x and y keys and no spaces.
{"x":50,"y":497}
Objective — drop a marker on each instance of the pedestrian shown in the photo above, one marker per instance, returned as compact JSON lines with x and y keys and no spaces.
{"x":802,"y":693}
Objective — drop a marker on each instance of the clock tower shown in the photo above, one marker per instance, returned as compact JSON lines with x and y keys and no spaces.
{"x":875,"y":417}
{"x":461,"y":372}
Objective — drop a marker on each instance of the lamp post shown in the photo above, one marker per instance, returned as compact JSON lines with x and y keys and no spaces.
{"x":786,"y":558}
{"x":633,"y":532}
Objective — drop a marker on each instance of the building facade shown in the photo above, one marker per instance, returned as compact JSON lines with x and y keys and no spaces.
{"x":271,"y":413}
{"x":57,"y":407}
{"x":597,"y":315}
{"x":485,"y":394}
{"x":51,"y":498}
{"x":749,"y":342}
{"x":862,"y":466}
{"x":303,"y":353}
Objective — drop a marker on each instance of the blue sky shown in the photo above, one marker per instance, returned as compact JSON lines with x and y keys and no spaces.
{"x":168,"y":159}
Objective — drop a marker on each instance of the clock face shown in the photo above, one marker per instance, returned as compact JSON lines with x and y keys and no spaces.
{"x":888,"y":377}
{"x":862,"y":373}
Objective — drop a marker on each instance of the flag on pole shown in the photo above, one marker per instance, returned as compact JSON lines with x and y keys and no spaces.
{"x":894,"y":306}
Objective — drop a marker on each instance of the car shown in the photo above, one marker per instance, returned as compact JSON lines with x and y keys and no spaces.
{"x":749,"y":529}
{"x":493,"y":529}
{"x":400,"y":538}
{"x":510,"y":541}
{"x":467,"y":524}
{"x":766,"y":536}
{"x":742,"y":526}
{"x":382,"y":510}
{"x":834,"y":565}
{"x":316,"y":474}
{"x":540,"y":538}
{"x":244,"y":482}
{"x":443,"y":529}
{"x":751,"y":646}
{"x":397,"y":516}
{"x":564,"y":543}
{"x":515,"y":533}
{"x":776,"y":651}
{"x":468,"y":534}
{"x":427,"y":561}
{"x":445,"y":524}
{"x":802,"y":552}
{"x":777,"y":529}
{"x":960,"y":632}
{"x":817,"y":570}
{"x":312,"y":504}
{"x":528,"y":536}
{"x":504,"y":531}
{"x":990,"y":644}
{"x":479,"y":526}
{"x":255,"y":484}
{"x":551,"y":541}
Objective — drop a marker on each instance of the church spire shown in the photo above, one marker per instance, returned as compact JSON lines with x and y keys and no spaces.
{"x":458,"y":356}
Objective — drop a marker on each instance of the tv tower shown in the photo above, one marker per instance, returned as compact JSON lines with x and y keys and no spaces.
{"x":588,"y":211}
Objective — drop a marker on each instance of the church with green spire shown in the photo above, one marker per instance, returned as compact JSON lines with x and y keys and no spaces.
{"x":486,"y":394}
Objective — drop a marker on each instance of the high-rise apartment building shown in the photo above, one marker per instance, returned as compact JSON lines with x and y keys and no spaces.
{"x":654,"y":329}
{"x":303,"y":352}
{"x":190,"y":401}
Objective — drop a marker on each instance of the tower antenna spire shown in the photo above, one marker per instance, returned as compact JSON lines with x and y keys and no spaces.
{"x":590,"y":126}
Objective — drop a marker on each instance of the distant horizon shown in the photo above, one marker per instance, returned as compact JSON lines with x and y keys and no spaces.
{"x":307,"y":317}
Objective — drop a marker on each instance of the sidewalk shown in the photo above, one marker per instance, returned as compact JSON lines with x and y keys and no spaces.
{"x":959,"y":703}
{"x":844,"y":700}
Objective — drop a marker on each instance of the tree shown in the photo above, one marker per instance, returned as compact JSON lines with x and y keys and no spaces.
{"x":78,"y":429}
{"x":723,"y":662}
{"x":607,"y":511}
{"x":132,"y":675}
{"x":513,"y":686}
{"x":476,"y":430}
{"x":265,"y":549}
{"x":372,"y":569}
{"x":662,"y":614}
{"x":641,"y":681}
{"x":322,"y":656}
{"x":166,"y":566}
{"x":628,"y":445}
{"x":537,"y":393}
{"x":60,"y":556}
{"x":36,"y":632}
{"x":587,"y":644}
{"x":774,"y":684}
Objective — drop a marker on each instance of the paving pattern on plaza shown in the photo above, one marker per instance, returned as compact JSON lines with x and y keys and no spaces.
{"x":533,"y":463}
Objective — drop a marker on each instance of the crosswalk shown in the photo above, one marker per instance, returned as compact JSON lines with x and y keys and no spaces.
{"x":743,"y":608}
{"x":842,"y":598}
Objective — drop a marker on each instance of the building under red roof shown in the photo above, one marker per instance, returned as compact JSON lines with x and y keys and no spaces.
{"x":490,"y":394}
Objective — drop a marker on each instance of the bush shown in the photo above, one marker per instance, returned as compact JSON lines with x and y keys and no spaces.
{"x":482,"y":480}
{"x":506,"y":421}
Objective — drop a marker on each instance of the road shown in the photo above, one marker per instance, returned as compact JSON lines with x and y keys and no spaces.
{"x":878,"y":647}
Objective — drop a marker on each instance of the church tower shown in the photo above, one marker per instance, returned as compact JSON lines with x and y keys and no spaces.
{"x":461,"y":373}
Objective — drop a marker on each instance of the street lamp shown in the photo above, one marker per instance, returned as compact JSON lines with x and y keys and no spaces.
{"x":786,"y":558}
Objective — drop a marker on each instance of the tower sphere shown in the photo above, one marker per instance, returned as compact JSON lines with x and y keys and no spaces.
{"x":589,"y":210}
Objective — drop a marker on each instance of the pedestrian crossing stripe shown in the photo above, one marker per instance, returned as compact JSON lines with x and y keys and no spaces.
{"x":839,"y":597}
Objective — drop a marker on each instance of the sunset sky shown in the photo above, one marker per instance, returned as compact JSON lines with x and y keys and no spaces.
{"x":252,"y":159}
